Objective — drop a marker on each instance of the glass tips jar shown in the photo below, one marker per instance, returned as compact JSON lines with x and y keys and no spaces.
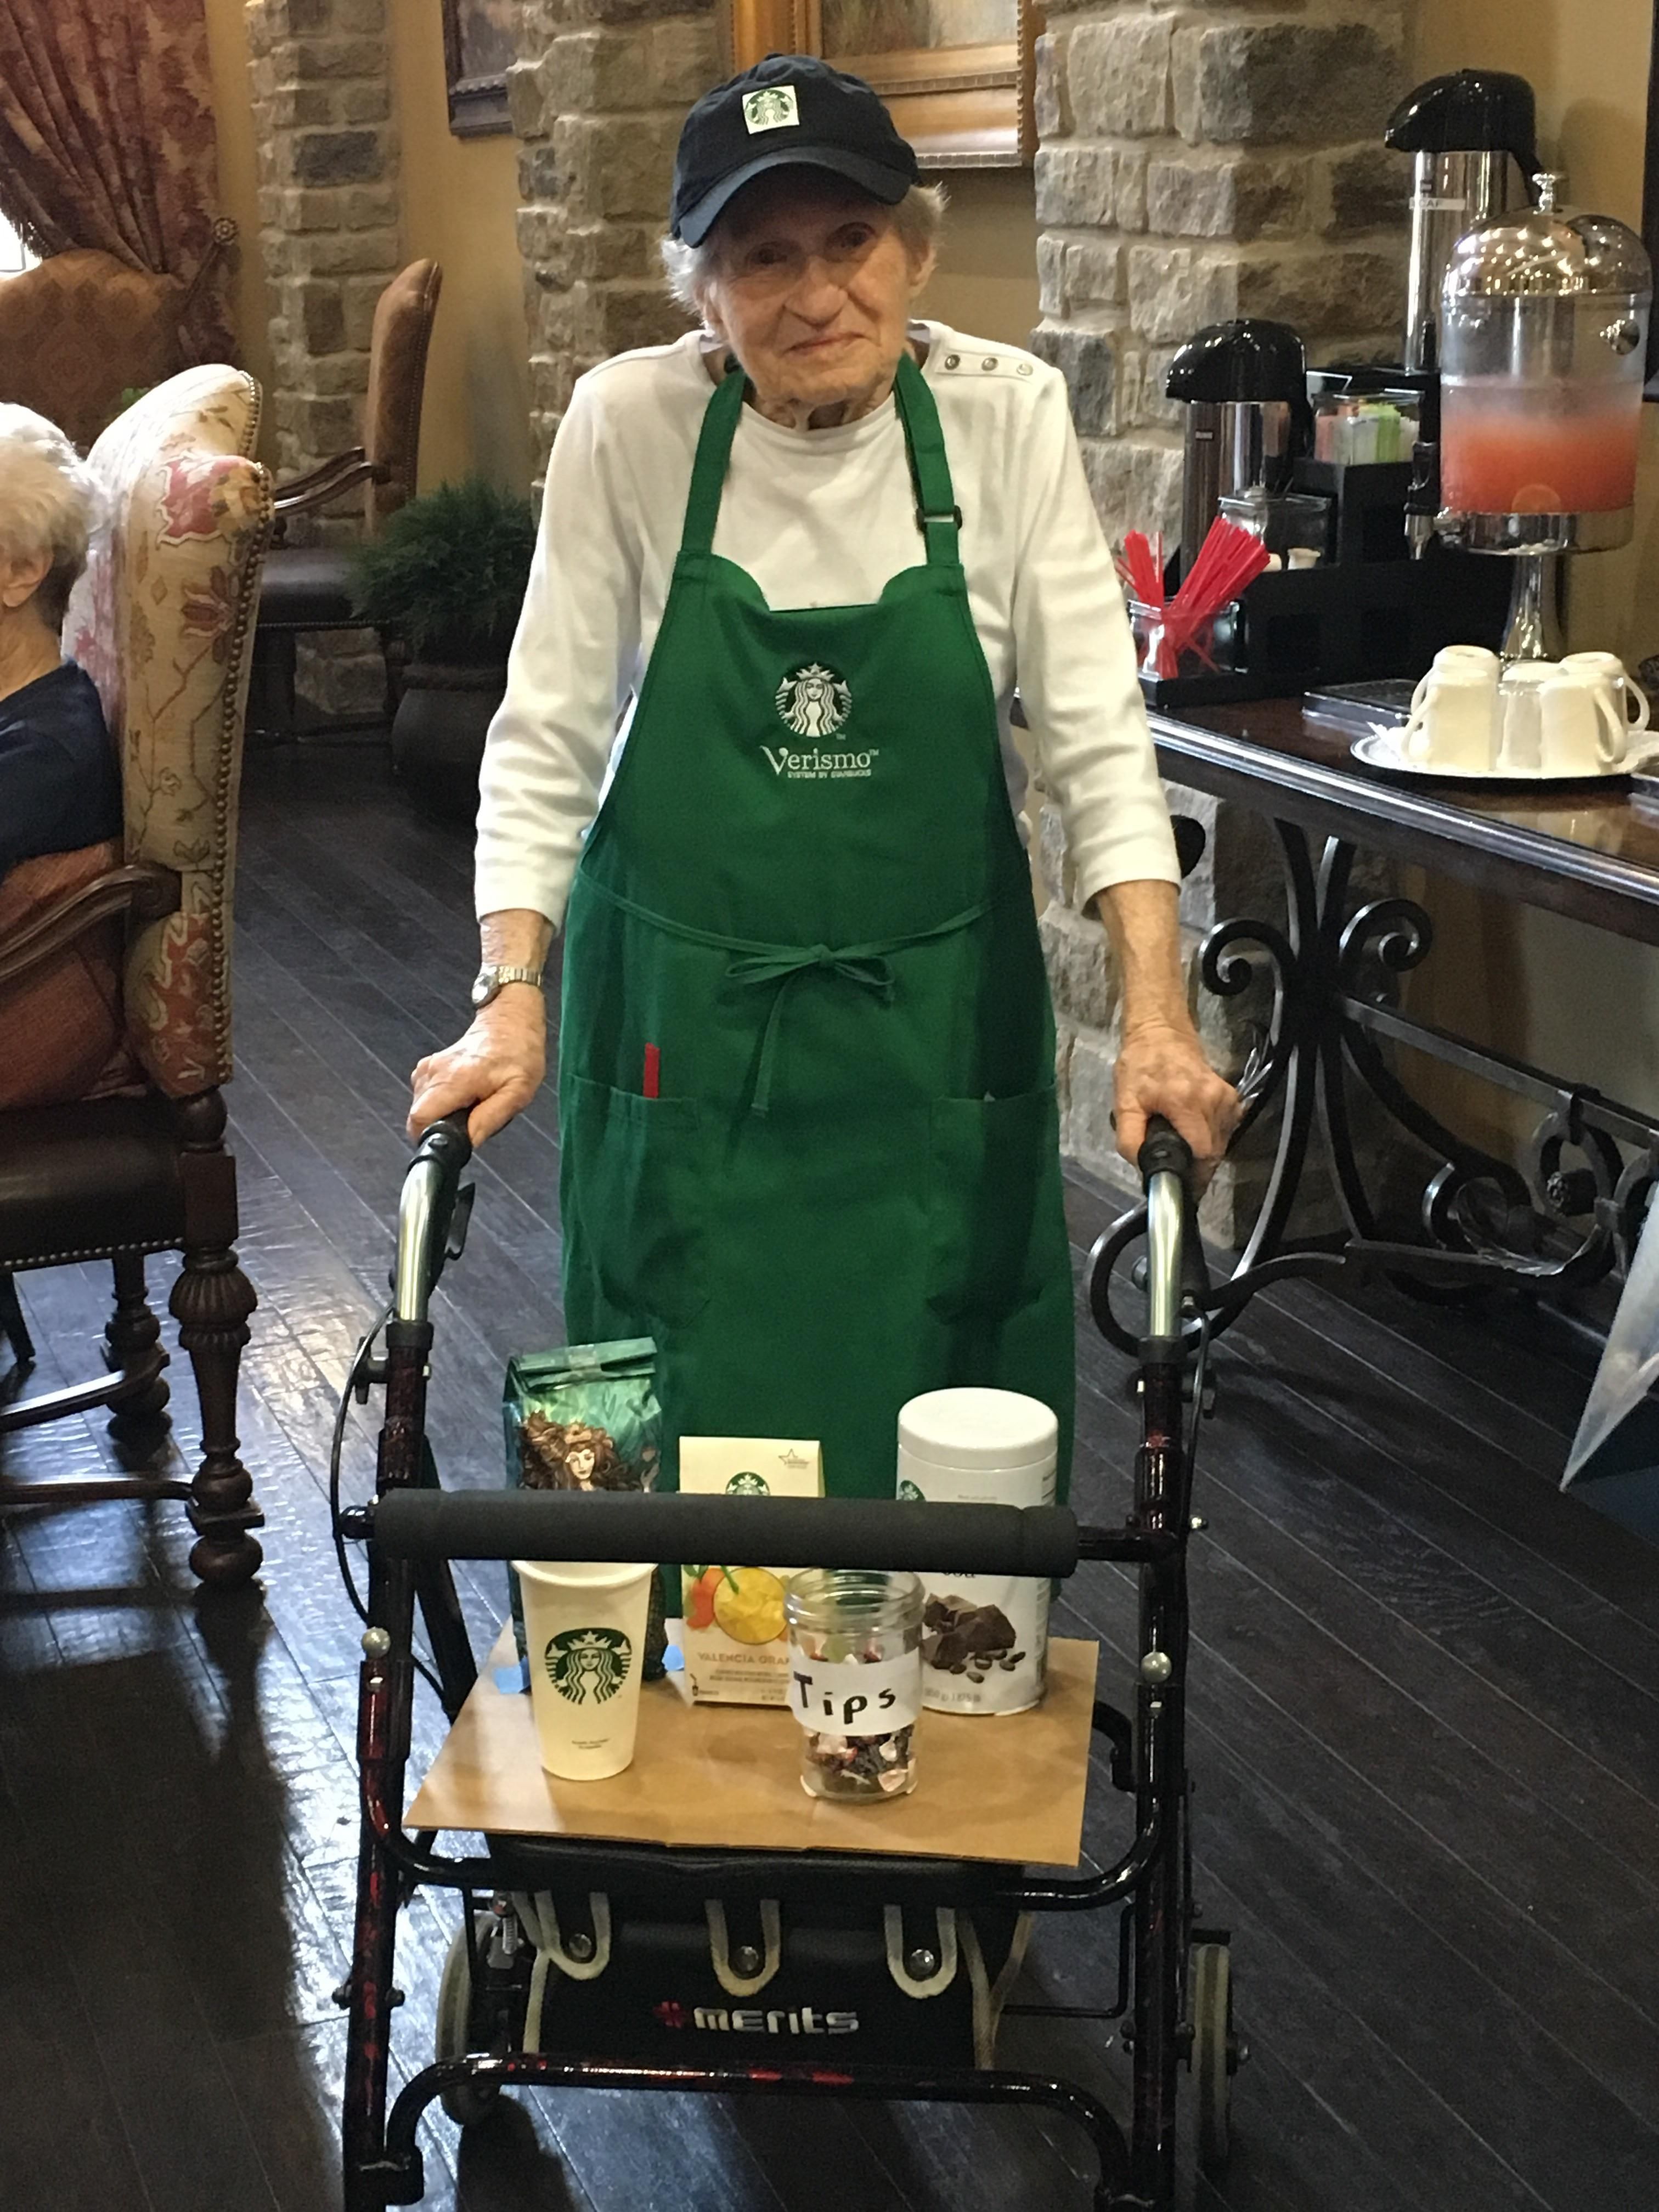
{"x":855,"y":1680}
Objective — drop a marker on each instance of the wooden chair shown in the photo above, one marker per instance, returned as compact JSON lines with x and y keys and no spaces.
{"x":309,"y":587}
{"x":163,"y":621}
{"x":81,"y":329}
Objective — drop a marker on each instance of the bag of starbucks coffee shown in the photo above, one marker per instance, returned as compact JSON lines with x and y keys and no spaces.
{"x":586,"y":1417}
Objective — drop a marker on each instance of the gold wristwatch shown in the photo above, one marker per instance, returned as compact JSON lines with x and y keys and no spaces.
{"x":490,"y":981}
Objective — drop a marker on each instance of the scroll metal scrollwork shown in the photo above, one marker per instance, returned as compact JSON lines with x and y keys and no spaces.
{"x":1472,"y":1201}
{"x":1570,"y":1214}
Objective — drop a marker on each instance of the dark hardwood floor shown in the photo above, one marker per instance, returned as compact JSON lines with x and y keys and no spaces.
{"x":1426,"y":1709}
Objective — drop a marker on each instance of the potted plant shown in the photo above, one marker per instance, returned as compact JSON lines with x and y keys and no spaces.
{"x":445,"y":578}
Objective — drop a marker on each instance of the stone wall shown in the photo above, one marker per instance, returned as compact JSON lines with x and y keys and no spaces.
{"x":598,"y":99}
{"x":1199,"y":159}
{"x":328,"y":223}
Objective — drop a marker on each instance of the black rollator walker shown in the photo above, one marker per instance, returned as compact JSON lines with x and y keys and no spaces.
{"x":828,"y":1936}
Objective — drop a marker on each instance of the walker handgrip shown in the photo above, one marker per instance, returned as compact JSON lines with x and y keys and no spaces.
{"x":426,"y":1213}
{"x":1164,"y":1152}
{"x":778,"y":1531}
{"x":448,"y":1142}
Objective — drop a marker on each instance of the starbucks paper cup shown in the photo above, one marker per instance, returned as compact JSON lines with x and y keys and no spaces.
{"x":584,"y":1627}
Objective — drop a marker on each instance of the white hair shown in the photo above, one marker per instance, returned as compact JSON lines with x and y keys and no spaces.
{"x":49,"y":503}
{"x":692,"y":268}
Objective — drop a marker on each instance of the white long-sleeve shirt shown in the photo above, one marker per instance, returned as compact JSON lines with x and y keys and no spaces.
{"x":819,"y":518}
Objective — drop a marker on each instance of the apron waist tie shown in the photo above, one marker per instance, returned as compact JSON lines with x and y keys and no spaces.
{"x":755,"y":964}
{"x":787,"y":965}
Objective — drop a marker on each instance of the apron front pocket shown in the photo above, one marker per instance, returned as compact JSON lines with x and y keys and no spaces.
{"x":639,"y":1190}
{"x":989,"y":1159}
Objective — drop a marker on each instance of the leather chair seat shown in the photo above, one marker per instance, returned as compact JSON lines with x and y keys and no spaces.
{"x":306,"y":588}
{"x":89,"y":1180}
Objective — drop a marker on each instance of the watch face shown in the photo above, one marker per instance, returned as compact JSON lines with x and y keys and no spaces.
{"x":483,"y":990}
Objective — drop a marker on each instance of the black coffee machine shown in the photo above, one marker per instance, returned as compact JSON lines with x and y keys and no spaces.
{"x":1336,"y":469}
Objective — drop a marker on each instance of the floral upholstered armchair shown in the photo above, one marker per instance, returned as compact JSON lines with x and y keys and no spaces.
{"x":134,"y":1164}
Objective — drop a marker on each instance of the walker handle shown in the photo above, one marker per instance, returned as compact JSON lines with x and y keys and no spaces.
{"x":427,"y":1213}
{"x":1176,"y":1273}
{"x":1164,"y":1150}
{"x":784,"y":1532}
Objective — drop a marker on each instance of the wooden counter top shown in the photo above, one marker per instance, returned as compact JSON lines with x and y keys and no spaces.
{"x":1582,"y":850}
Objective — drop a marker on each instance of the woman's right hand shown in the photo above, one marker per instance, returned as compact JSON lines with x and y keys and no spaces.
{"x":496,"y":1069}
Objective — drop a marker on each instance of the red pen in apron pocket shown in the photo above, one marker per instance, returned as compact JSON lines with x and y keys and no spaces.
{"x":652,"y":1072}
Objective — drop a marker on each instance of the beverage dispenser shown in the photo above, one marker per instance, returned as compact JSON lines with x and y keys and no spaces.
{"x":1244,"y":387}
{"x":1472,"y":139}
{"x":1543,"y":338}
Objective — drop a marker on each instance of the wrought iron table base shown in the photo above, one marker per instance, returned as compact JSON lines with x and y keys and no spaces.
{"x":1568,"y":1218}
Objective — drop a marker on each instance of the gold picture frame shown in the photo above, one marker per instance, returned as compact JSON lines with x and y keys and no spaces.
{"x":961,"y":106}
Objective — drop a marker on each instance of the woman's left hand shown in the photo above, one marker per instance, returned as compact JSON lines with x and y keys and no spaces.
{"x":1161,"y":1069}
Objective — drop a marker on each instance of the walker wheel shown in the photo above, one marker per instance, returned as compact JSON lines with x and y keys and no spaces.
{"x":467,"y":2102}
{"x":1215,"y":2052}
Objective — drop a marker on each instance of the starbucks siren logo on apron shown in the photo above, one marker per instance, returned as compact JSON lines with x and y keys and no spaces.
{"x":814,"y":701}
{"x":588,"y":1665}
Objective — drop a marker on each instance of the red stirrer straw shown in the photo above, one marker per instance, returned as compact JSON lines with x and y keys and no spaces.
{"x":1230,"y":558}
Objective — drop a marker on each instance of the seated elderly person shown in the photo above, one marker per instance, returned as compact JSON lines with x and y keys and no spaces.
{"x":60,"y":783}
{"x":807,"y":1072}
{"x":60,"y":786}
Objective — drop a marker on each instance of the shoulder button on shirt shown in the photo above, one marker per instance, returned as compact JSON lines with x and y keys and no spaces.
{"x":953,"y":361}
{"x":989,"y":362}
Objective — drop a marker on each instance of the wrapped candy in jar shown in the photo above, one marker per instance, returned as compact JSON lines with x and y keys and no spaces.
{"x":855,"y":1680}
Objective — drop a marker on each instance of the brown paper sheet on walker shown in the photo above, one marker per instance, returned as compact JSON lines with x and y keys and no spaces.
{"x":728,"y":1777}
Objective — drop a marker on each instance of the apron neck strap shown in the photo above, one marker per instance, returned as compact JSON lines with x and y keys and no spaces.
{"x":719,"y":426}
{"x":938,"y":516}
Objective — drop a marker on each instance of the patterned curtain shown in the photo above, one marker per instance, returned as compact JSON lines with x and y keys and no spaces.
{"x":108,"y":139}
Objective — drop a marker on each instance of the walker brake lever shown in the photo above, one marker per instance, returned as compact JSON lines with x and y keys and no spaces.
{"x":460,"y":1221}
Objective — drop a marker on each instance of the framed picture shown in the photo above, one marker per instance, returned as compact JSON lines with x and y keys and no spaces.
{"x":479,"y":43}
{"x":957,"y":74}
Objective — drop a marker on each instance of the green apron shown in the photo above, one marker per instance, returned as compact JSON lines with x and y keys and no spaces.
{"x":806,"y":1081}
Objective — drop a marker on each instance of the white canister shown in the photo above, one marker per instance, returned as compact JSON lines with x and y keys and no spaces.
{"x":984,"y":1638}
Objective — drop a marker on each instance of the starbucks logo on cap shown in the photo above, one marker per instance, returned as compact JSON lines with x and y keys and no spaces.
{"x":588,"y":1665}
{"x":749,"y":1485}
{"x":772,"y":108}
{"x":909,"y":1494}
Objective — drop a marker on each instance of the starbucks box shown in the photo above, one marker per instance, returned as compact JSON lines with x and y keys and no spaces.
{"x":732,"y":1633}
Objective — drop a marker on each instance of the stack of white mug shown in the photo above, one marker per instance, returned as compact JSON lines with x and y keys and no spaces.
{"x":1471,"y":715}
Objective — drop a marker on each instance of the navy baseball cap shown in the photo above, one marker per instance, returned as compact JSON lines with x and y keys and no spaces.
{"x":789,"y":110}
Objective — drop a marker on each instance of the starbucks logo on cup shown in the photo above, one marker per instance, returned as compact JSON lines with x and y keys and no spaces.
{"x":588,"y":1665}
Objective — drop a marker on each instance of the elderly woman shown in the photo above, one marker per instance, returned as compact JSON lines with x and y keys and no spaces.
{"x":59,"y":785}
{"x":800,"y":558}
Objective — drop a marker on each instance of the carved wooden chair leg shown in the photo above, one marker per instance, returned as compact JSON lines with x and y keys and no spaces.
{"x":131,"y":1336}
{"x":13,"y":1327}
{"x":211,"y":1301}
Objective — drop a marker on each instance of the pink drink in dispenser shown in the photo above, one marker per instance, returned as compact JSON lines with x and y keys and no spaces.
{"x":1543,"y":332}
{"x":1552,"y":448}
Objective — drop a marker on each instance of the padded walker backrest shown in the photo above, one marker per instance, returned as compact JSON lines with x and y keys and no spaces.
{"x":163,"y":622}
{"x":397,"y":382}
